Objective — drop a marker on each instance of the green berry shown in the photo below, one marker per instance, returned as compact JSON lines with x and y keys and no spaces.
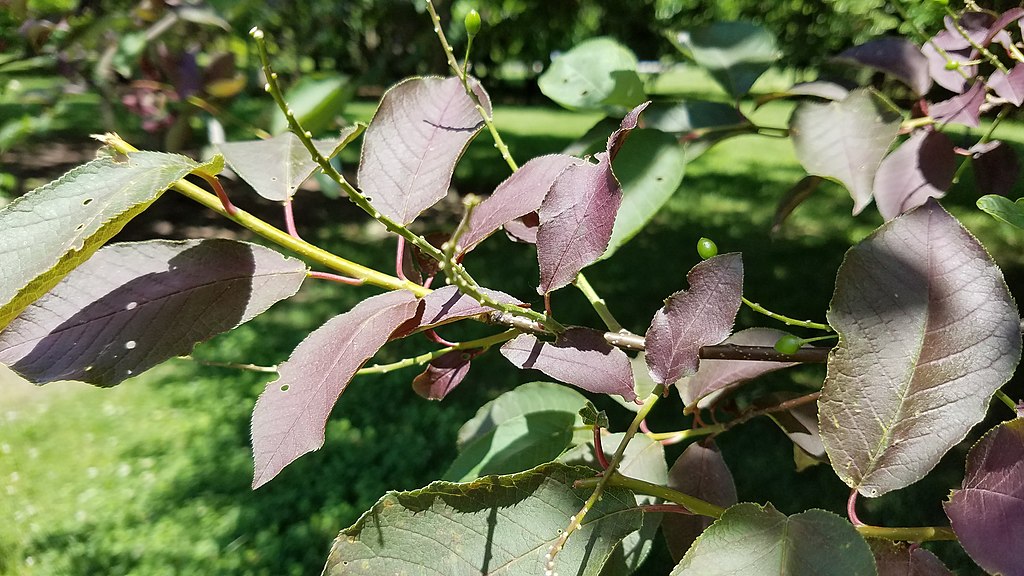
{"x":788,"y":344}
{"x":472,"y":23}
{"x":952,"y":65}
{"x":706,"y":248}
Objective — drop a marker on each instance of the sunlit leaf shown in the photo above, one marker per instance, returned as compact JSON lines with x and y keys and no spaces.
{"x":801,"y":426}
{"x":898,"y":559}
{"x":693,"y":318}
{"x":132,"y":306}
{"x":996,"y":167}
{"x":700,"y":471}
{"x":580,"y":357}
{"x":735,"y":53}
{"x":447,"y":304}
{"x":818,"y":89}
{"x":495,"y":525}
{"x":443,"y":374}
{"x":961,"y":109}
{"x":276,"y":167}
{"x":897,"y":57}
{"x":921,"y":168}
{"x":714,"y":377}
{"x":751,"y":540}
{"x":595,"y":74}
{"x":1004,"y":209}
{"x":689,"y":115}
{"x":987,"y":514}
{"x":289,"y":418}
{"x":952,"y":79}
{"x":316,"y":102}
{"x":54,"y":228}
{"x":845,"y":141}
{"x":1009,"y":85}
{"x":928,"y":333}
{"x":414,"y":140}
{"x":518,"y":430}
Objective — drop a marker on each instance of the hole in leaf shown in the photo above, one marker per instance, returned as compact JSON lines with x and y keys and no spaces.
{"x":86,"y":202}
{"x":79,"y":228}
{"x":284,"y":388}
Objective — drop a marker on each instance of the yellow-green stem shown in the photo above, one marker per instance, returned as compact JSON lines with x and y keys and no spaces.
{"x":1005,"y":399}
{"x":786,"y":319}
{"x":485,"y":342}
{"x":691,"y":503}
{"x":598,"y":303}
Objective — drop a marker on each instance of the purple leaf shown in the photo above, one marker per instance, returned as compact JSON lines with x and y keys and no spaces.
{"x":996,"y":167}
{"x":1004,"y":20}
{"x":953,"y":80}
{"x":699,"y":471}
{"x":516,"y":197}
{"x":921,"y":168}
{"x":578,"y":213}
{"x":446,"y":305}
{"x":961,"y":109}
{"x":987,"y":514}
{"x":897,"y":57}
{"x":524,"y":229}
{"x":289,"y":418}
{"x":717,"y":376}
{"x":700,"y":316}
{"x":132,"y":306}
{"x":443,"y":374}
{"x":580,"y":357}
{"x":928,"y":332}
{"x":845,"y":141}
{"x":414,"y":141}
{"x":801,"y":426}
{"x":897,"y":559}
{"x":981,"y":27}
{"x":1009,"y":86}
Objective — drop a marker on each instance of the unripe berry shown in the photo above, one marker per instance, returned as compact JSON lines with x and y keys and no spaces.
{"x":788,"y":344}
{"x":472,"y":23}
{"x":706,"y":248}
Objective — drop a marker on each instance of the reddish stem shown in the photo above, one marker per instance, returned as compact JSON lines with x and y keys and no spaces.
{"x":399,"y":259}
{"x":435,"y":337}
{"x":851,"y":509}
{"x":289,"y":220}
{"x":643,"y":427}
{"x":599,"y":449}
{"x":219,"y":190}
{"x":547,"y":303}
{"x":336,"y":278}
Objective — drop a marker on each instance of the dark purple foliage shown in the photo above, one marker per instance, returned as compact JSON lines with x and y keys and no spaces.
{"x":132,"y":306}
{"x":996,"y":167}
{"x":952,"y":80}
{"x":897,"y":57}
{"x":898,"y":559}
{"x":700,"y":471}
{"x":289,"y":418}
{"x":446,"y":305}
{"x":580,"y":357}
{"x":921,"y":168}
{"x":961,"y":109}
{"x":987,"y":514}
{"x":1009,"y":85}
{"x":443,"y":374}
{"x":700,"y":316}
{"x":414,"y":141}
{"x":928,"y":332}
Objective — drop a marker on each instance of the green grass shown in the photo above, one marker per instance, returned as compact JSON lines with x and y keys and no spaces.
{"x":153,"y":477}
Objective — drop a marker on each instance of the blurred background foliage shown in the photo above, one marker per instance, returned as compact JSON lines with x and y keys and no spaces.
{"x":152,"y":477}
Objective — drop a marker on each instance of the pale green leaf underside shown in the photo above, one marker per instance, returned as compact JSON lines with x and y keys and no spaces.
{"x":54,"y":228}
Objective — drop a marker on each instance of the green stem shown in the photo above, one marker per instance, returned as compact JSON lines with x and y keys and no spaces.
{"x":691,"y":503}
{"x":818,"y":338}
{"x":785,"y":319}
{"x":911,"y":124}
{"x":1005,"y":399}
{"x":278,"y":236}
{"x":683,"y":435}
{"x":485,"y":342}
{"x":598,"y":303}
{"x":916,"y":534}
{"x":981,"y":49}
{"x":600,"y":483}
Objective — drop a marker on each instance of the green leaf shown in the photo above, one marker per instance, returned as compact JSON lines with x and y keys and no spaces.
{"x":1002,"y":208}
{"x":753,"y":540}
{"x":650,"y":167}
{"x":499,"y":525}
{"x":53,"y":229}
{"x":275,"y":168}
{"x":518,"y":430}
{"x":591,"y":417}
{"x":316,"y":101}
{"x":735,"y":53}
{"x":596,"y":74}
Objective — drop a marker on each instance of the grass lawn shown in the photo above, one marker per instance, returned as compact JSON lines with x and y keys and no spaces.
{"x":153,"y":477}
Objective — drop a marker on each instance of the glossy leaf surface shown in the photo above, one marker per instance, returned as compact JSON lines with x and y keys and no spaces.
{"x":987,"y":514}
{"x":316,"y":101}
{"x":414,"y":140}
{"x":501,"y":525}
{"x":595,"y":74}
{"x":132,"y":306}
{"x":54,"y":228}
{"x":928,"y":332}
{"x":700,"y":316}
{"x":580,"y":357}
{"x":735,"y":53}
{"x":845,"y":141}
{"x":522,"y":428}
{"x":291,"y":413}
{"x":751,"y":540}
{"x":700,"y":471}
{"x":275,"y":168}
{"x":921,"y":168}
